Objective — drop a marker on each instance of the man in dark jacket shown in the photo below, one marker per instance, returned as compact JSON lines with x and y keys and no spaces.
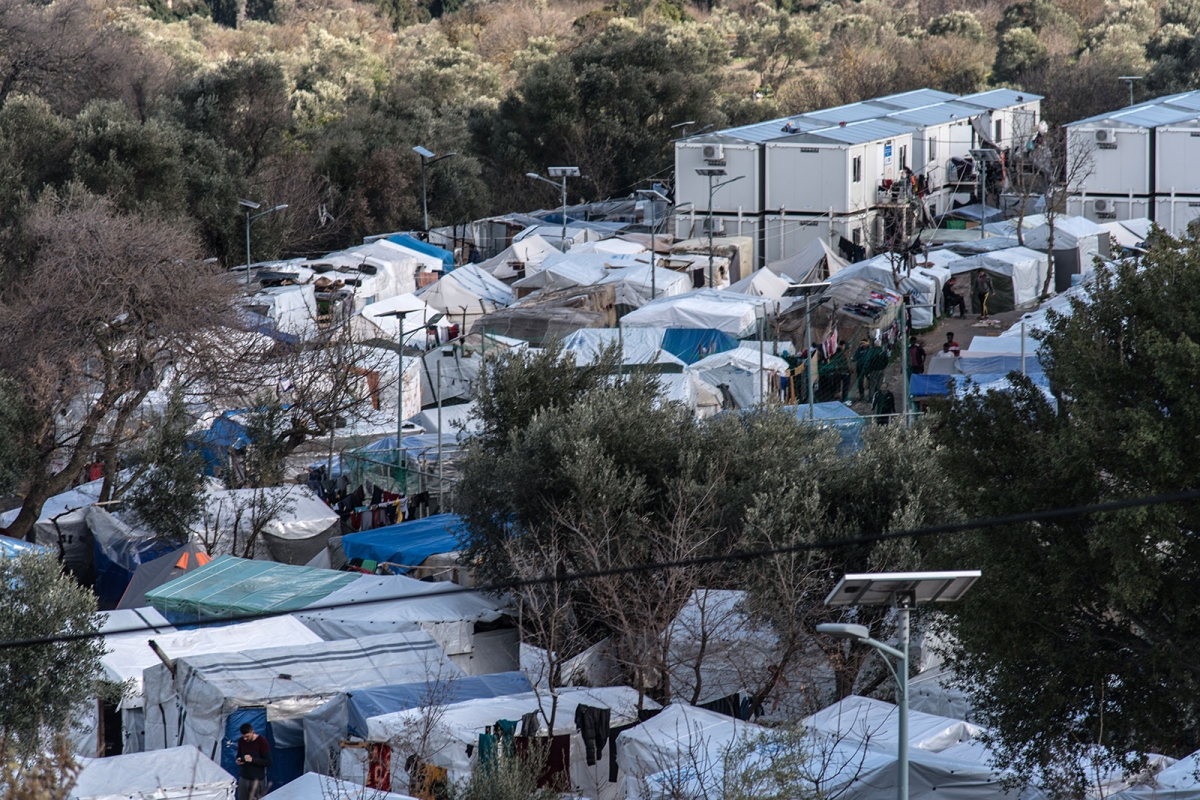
{"x":253,"y":758}
{"x":983,"y":290}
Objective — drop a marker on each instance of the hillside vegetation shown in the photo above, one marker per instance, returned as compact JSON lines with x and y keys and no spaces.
{"x":177,"y":107}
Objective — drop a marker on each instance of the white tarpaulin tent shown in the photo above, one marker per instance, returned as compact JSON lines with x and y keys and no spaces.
{"x":399,"y":603}
{"x":814,"y":263}
{"x":633,"y":286}
{"x":1017,"y":273}
{"x":521,"y":258}
{"x":739,"y":371}
{"x":180,"y":773}
{"x":736,"y":314}
{"x":638,"y":345}
{"x":762,"y":283}
{"x":190,"y":706}
{"x":610,"y":247}
{"x":298,"y":528}
{"x":291,"y":309}
{"x":1179,"y":781}
{"x":458,"y":726}
{"x":311,"y":786}
{"x":863,"y":719}
{"x":378,"y":320}
{"x":921,"y":286}
{"x":561,"y":273}
{"x":466,"y":294}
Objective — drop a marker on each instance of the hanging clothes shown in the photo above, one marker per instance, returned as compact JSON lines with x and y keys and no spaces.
{"x":593,"y":725}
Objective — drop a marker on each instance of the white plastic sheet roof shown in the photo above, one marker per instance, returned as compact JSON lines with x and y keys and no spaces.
{"x":399,"y":603}
{"x":178,"y":773}
{"x":800,"y":266}
{"x":311,"y":786}
{"x":371,"y":324}
{"x":733,"y":313}
{"x":1068,"y":231}
{"x":747,"y":357}
{"x":610,"y":247}
{"x":463,"y":722}
{"x":633,"y":285}
{"x":638,"y":345}
{"x":301,"y":514}
{"x":762,"y":283}
{"x":129,"y":654}
{"x":680,"y":734}
{"x":1026,"y":267}
{"x":527,"y":253}
{"x":1178,"y":781}
{"x":293,"y":309}
{"x":862,"y":719}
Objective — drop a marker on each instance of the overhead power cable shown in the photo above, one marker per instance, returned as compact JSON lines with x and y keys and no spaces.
{"x":735,"y":556}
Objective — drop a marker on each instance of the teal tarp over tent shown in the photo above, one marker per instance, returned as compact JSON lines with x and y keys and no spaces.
{"x":228,"y":587}
{"x":407,"y":543}
{"x":404,"y":240}
{"x":15,"y":547}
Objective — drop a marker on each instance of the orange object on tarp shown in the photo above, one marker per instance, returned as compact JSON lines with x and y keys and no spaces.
{"x":163,"y":569}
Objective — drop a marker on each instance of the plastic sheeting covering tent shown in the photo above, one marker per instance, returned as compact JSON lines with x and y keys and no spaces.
{"x":291,"y":310}
{"x":739,"y":371}
{"x":179,"y":773}
{"x":299,"y":526}
{"x":763,"y":283}
{"x":229,"y":587}
{"x":633,"y":285}
{"x":379,"y":700}
{"x":407,"y":544}
{"x":120,"y":550}
{"x":460,"y":724}
{"x":923,"y":288}
{"x":838,"y":416}
{"x":423,"y":248}
{"x":520,"y":258}
{"x":372,"y":322}
{"x":814,"y":263}
{"x":560,"y":272}
{"x":862,"y":719}
{"x":282,"y":684}
{"x":1179,"y":781}
{"x":1017,"y":273}
{"x":311,"y":786}
{"x":162,"y":570}
{"x":736,"y":314}
{"x":638,"y":345}
{"x":375,"y":605}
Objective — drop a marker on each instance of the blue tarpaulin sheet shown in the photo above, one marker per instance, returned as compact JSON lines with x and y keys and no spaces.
{"x":380,"y":700}
{"x":407,"y":543}
{"x":690,"y":345}
{"x":999,"y":365}
{"x":15,"y":547}
{"x":404,"y":240}
{"x":940,"y":385}
{"x":225,"y":433}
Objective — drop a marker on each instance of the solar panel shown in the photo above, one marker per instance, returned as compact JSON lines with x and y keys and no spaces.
{"x":880,"y":589}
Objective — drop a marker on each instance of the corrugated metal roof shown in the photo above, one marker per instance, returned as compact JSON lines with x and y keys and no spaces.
{"x":999,"y":98}
{"x":854,"y":112}
{"x":936,"y":114}
{"x":915,"y":99}
{"x":871,"y":130}
{"x":1152,"y":113}
{"x":761,"y":132}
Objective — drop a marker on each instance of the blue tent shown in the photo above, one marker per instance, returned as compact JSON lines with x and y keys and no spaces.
{"x":838,"y":416}
{"x":690,"y":345}
{"x":227,"y":432}
{"x":404,"y":240}
{"x":942,"y":385}
{"x":380,"y":700}
{"x":407,"y":543}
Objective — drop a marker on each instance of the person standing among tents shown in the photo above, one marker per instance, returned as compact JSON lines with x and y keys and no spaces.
{"x":253,"y":758}
{"x":838,"y":366}
{"x":877,"y":361}
{"x":916,"y":357}
{"x":883,"y":403}
{"x":951,"y":300}
{"x":983,"y":290}
{"x":862,"y":358}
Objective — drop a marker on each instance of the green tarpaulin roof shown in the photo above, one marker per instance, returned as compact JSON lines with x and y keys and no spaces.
{"x":229,"y":586}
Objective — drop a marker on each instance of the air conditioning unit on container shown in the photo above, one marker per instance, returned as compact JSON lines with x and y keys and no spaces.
{"x":1106,"y":136}
{"x":713,"y":152}
{"x":714,"y":226}
{"x":1102,"y":206}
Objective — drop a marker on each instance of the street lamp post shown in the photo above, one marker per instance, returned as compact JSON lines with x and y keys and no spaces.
{"x":902,"y":591}
{"x":652,"y":196}
{"x":563,"y":173}
{"x":400,"y":314}
{"x":250,"y":205}
{"x":710,"y":173}
{"x":1128,"y":80}
{"x":428,"y":159}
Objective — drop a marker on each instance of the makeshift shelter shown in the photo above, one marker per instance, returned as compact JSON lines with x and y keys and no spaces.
{"x":456,"y":418}
{"x":762,"y":283}
{"x":1017,"y":274}
{"x":178,"y":773}
{"x":852,"y":310}
{"x":311,"y":786}
{"x":378,"y":321}
{"x":922,"y":288}
{"x":611,"y":246}
{"x":519,"y":259}
{"x":292,"y":524}
{"x":120,"y":549}
{"x":230,"y":587}
{"x":633,"y":286}
{"x":62,"y":526}
{"x":205,"y":699}
{"x":164,"y":569}
{"x":639,"y":346}
{"x":467,"y":294}
{"x":813,"y":264}
{"x":745,"y":375}
{"x":738,"y":315}
{"x":407,"y":545}
{"x":345,"y":716}
{"x":425,"y":249}
{"x":473,"y":629}
{"x":288,"y":310}
{"x":1077,"y":243}
{"x":558,"y":273}
{"x":874,"y":722}
{"x":459,"y":373}
{"x":552,"y":314}
{"x":1179,"y":781}
{"x":739,"y":250}
{"x":455,"y":737}
{"x":127,"y":634}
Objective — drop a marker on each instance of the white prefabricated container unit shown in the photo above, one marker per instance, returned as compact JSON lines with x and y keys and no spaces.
{"x":1109,"y":208}
{"x":784,"y":235}
{"x":695,"y":226}
{"x":1173,"y":214}
{"x":1177,"y":157}
{"x":943,"y":132}
{"x":1012,"y":116}
{"x":739,"y":159}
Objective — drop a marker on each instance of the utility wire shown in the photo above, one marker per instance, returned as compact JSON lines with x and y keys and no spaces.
{"x":735,"y":556}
